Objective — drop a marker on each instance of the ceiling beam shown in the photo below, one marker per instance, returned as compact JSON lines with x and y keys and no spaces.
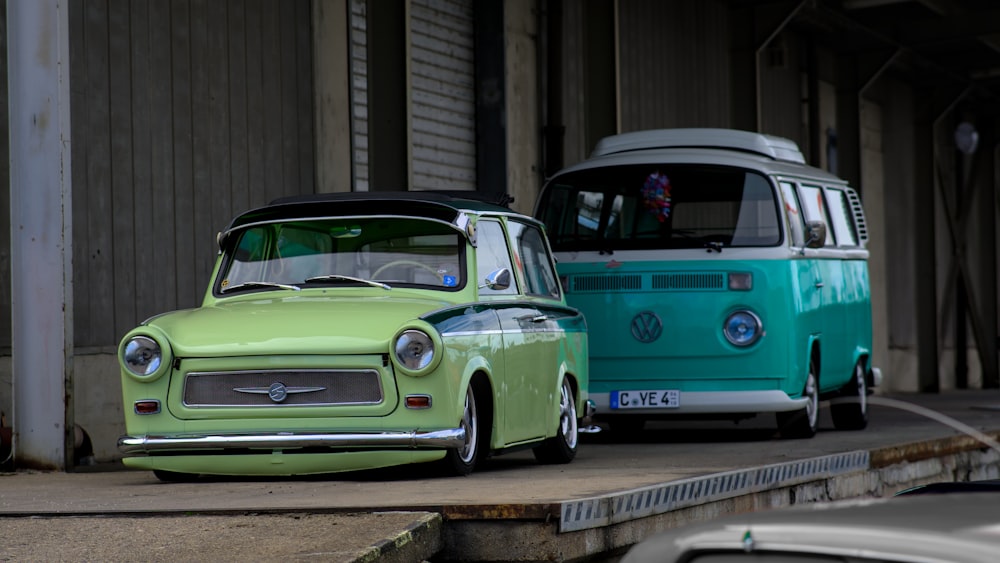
{"x":939,"y":7}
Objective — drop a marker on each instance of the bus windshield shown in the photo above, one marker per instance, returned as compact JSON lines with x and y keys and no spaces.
{"x":639,"y":207}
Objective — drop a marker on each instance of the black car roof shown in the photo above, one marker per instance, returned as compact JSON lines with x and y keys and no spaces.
{"x":444,"y":206}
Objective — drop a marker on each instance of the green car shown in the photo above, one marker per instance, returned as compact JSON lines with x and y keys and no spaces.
{"x":360,"y":330}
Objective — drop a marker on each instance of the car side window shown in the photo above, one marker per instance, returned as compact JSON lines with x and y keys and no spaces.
{"x":539,"y":275}
{"x":840,"y":214}
{"x":492,"y":254}
{"x":815,"y":206}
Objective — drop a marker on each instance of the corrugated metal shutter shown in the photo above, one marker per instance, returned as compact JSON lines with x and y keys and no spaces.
{"x":359,"y":92}
{"x":675,"y":67}
{"x":443,"y":90}
{"x":184,"y":114}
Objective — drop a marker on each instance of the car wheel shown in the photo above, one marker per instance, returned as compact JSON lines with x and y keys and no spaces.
{"x":803,"y":422}
{"x":850,"y":412}
{"x":561,"y":448}
{"x":461,"y":461}
{"x":174,"y":477}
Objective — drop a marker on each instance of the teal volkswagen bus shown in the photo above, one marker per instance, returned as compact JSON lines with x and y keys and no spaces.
{"x":721,"y":277}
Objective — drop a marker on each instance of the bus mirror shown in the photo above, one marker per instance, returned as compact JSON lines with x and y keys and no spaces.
{"x":815,"y":234}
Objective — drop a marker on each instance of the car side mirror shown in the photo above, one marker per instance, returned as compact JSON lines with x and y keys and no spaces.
{"x":815,"y":234}
{"x":497,"y":280}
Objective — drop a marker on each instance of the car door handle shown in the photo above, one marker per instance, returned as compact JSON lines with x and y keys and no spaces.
{"x":819,"y":284}
{"x":534,"y":318}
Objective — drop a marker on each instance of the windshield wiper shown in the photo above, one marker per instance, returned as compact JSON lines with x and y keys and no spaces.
{"x":249,"y":284}
{"x":340,"y":277}
{"x":709,"y":245}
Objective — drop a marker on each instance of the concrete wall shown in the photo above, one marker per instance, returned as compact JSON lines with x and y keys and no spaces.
{"x":6,"y":390}
{"x":98,"y":403}
{"x":873,"y":195}
{"x":97,"y":399}
{"x":898,"y":220}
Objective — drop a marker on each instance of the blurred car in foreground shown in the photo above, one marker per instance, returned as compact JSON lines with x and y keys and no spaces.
{"x":361,"y":330}
{"x":935,"y":528}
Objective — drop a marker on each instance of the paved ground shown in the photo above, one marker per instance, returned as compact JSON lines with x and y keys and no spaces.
{"x":394,"y":514}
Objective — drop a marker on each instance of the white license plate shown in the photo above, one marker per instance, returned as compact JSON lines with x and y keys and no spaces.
{"x":651,"y":399}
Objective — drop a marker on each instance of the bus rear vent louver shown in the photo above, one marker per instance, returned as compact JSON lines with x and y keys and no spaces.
{"x":607,"y":283}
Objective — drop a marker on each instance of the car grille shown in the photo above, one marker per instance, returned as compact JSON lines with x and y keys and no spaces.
{"x":270,"y":388}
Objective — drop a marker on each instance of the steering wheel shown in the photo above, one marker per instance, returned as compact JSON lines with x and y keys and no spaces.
{"x":394,"y":263}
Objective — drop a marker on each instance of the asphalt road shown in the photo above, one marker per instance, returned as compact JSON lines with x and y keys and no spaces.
{"x":131,"y":516}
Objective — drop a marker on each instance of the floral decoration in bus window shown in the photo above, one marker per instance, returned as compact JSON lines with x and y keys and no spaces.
{"x":656,"y":195}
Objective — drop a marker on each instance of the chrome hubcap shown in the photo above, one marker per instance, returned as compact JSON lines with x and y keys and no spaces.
{"x":567,"y":416}
{"x":812,"y":407}
{"x":859,"y":376}
{"x":470,"y":423}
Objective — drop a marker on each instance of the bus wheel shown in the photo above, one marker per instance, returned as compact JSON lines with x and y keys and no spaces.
{"x":850,"y":411}
{"x":803,"y":422}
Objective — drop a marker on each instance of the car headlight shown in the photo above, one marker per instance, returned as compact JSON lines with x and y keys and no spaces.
{"x":743,"y":328}
{"x":416,"y":351}
{"x":143,"y":357}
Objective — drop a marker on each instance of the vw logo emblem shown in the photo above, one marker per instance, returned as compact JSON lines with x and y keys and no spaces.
{"x":647,"y":326}
{"x":277,"y":392}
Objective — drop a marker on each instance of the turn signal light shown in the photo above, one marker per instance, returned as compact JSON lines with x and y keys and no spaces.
{"x":418,"y":401}
{"x":147,"y":406}
{"x":740,"y":281}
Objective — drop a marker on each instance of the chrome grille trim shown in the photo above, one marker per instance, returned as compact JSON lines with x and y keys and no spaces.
{"x":302,"y":388}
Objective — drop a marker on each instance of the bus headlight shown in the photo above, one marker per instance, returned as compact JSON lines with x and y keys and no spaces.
{"x":743,"y":328}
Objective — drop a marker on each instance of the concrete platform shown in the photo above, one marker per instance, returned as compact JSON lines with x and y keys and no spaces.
{"x":615,"y":494}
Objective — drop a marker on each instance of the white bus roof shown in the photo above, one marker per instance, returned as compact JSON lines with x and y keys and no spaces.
{"x":777,"y":148}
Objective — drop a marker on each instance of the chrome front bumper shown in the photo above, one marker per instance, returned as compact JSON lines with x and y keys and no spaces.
{"x":451,"y":438}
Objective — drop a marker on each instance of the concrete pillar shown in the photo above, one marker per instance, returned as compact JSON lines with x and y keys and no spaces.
{"x":332,"y":72}
{"x":41,"y":229}
{"x":523,"y":123}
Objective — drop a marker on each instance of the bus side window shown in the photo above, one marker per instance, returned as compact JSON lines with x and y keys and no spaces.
{"x":793,"y":215}
{"x":816,"y":210}
{"x":840,"y":214}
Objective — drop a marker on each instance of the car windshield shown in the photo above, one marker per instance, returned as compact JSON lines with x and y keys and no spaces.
{"x":660,"y":207}
{"x":381,"y":252}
